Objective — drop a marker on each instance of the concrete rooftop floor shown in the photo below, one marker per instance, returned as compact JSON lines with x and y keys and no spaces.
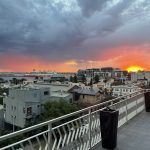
{"x":135,"y":135}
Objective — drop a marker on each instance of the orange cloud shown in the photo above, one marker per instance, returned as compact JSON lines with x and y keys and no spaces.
{"x":124,"y":57}
{"x":22,"y":63}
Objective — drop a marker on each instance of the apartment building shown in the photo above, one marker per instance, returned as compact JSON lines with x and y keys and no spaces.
{"x":87,"y":95}
{"x":1,"y":116}
{"x":24,"y":104}
{"x":141,"y":75}
{"x":122,"y":90}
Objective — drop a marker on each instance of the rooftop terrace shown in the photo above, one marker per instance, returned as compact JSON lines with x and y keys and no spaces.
{"x":82,"y":132}
{"x":134,"y":135}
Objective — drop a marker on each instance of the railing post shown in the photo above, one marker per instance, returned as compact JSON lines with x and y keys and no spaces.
{"x":136,"y":107}
{"x":90,"y":136}
{"x":126,"y":111}
{"x":111,"y":103}
{"x":50,"y":136}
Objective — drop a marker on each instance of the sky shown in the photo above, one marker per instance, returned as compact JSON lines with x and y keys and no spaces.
{"x":67,"y":35}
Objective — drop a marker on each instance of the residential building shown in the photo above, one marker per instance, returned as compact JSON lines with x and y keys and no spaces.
{"x":58,"y":91}
{"x":87,"y":95}
{"x":122,"y":90}
{"x":81,"y":129}
{"x":24,"y":104}
{"x":135,"y":76}
{"x":89,"y":73}
{"x":1,"y":116}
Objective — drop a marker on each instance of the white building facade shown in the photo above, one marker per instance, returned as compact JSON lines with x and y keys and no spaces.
{"x":1,"y":116}
{"x":135,"y":76}
{"x":23,"y":104}
{"x":122,"y":90}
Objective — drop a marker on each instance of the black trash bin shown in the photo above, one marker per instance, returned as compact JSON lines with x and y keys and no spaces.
{"x":109,"y":125}
{"x":147,"y":102}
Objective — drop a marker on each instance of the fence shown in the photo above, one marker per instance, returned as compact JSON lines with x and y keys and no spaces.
{"x":75,"y":131}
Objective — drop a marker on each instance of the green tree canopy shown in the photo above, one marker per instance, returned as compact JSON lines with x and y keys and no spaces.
{"x":1,"y":100}
{"x":83,"y":78}
{"x":71,"y":79}
{"x":75,"y":79}
{"x":96,"y":78}
{"x":91,"y":82}
{"x":56,"y":109}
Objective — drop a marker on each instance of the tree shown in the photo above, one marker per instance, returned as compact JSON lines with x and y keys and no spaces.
{"x":2,"y":80}
{"x":14,"y":81}
{"x":63,"y":79}
{"x":9,"y":141}
{"x":56,"y":109}
{"x":22,"y":80}
{"x":83,"y":78}
{"x":1,"y":100}
{"x":75,"y":79}
{"x":91,"y":82}
{"x":3,"y":90}
{"x":96,"y":78}
{"x":71,"y":79}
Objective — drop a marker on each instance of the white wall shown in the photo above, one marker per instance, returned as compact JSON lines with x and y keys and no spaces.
{"x":1,"y":117}
{"x":19,"y":100}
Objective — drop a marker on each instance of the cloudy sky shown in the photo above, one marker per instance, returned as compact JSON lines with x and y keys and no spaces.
{"x":67,"y":35}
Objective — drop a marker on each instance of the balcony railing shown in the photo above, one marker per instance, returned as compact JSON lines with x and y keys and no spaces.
{"x":75,"y":131}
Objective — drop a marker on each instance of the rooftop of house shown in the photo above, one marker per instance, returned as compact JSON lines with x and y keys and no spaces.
{"x":53,"y":87}
{"x":59,"y":94}
{"x":87,"y":90}
{"x":125,"y":86}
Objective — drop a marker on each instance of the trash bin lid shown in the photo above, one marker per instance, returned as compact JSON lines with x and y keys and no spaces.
{"x":107,"y":109}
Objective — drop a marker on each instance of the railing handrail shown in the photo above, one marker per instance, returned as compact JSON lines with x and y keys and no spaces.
{"x":10,"y":135}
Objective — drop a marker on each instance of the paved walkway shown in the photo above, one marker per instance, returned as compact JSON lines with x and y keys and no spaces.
{"x":135,"y":135}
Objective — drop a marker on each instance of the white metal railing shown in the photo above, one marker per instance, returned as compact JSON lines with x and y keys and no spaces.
{"x":81,"y":131}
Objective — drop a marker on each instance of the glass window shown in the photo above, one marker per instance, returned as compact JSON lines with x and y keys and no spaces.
{"x":46,"y":93}
{"x":34,"y":95}
{"x":29,"y":111}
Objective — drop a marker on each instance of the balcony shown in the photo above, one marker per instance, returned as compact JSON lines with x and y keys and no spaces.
{"x":134,"y":135}
{"x":82,"y":131}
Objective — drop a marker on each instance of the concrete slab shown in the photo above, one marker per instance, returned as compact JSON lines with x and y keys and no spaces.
{"x":135,"y":135}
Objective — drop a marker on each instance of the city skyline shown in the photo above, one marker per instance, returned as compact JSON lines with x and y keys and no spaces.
{"x":67,"y":35}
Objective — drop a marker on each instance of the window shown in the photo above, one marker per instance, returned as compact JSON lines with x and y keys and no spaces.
{"x":83,"y":96}
{"x":116,"y":90}
{"x":34,"y":95}
{"x":29,"y":111}
{"x":46,"y":93}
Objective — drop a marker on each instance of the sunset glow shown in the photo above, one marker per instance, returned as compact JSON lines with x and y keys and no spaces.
{"x":68,"y":35}
{"x":134,"y":69}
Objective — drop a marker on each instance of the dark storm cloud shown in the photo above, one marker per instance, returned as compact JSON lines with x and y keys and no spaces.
{"x":70,"y":29}
{"x":88,"y":7}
